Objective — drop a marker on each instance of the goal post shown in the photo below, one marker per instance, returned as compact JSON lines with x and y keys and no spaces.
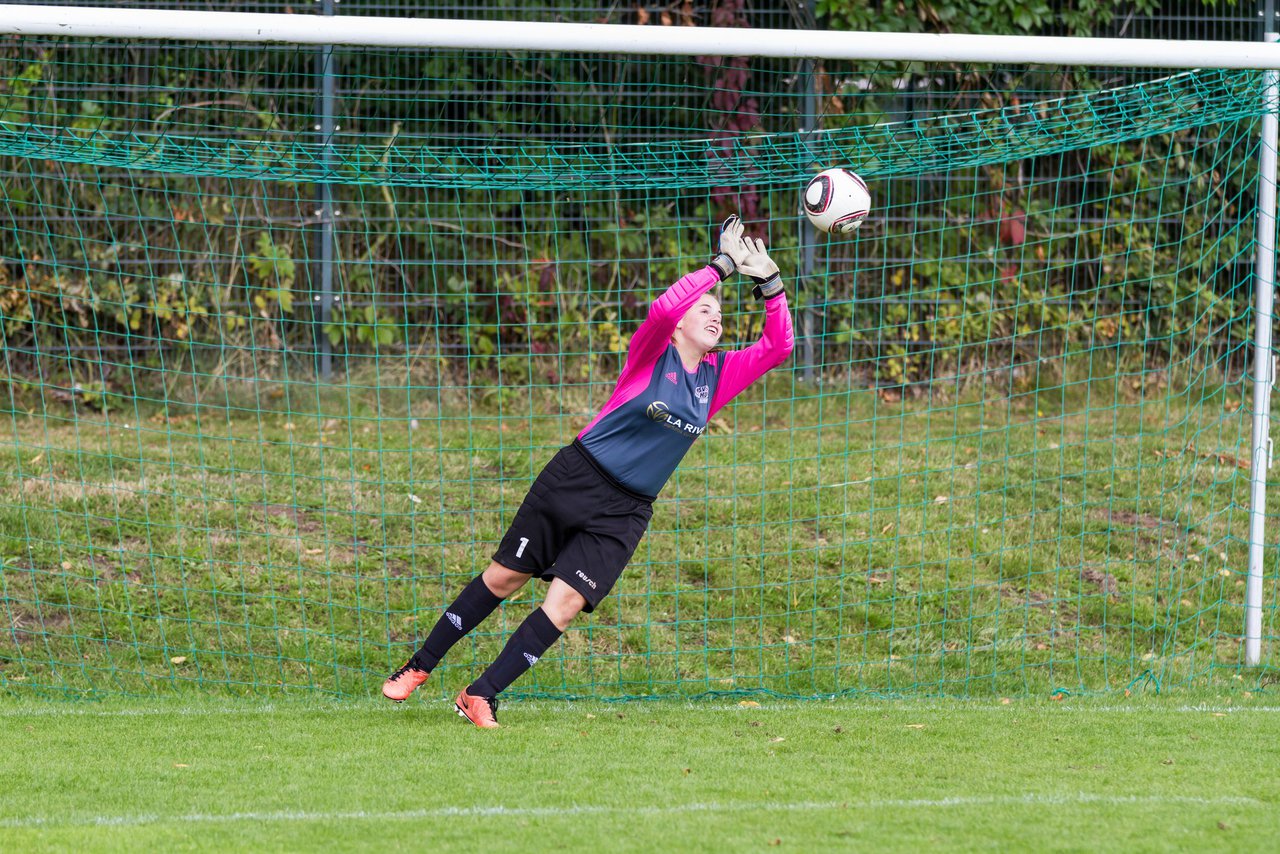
{"x":285,"y":342}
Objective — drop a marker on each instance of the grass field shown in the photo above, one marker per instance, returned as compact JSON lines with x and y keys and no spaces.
{"x":252,"y":571}
{"x":1142,"y":774}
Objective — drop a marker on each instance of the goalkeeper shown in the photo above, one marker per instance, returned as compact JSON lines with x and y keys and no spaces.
{"x":585,"y":513}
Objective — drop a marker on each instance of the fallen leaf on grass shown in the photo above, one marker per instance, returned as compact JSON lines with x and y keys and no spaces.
{"x":748,"y":704}
{"x":1227,"y":460}
{"x":915,"y":726}
{"x":178,"y":659}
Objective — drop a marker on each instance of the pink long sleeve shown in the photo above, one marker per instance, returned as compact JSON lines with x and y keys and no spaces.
{"x":653,"y":336}
{"x":741,"y":368}
{"x":650,"y":341}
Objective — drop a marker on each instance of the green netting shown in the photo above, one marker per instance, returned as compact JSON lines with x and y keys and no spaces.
{"x":1010,"y":453}
{"x":943,"y":141}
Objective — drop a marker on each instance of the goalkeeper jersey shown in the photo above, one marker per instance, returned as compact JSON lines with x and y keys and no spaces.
{"x":658,"y":408}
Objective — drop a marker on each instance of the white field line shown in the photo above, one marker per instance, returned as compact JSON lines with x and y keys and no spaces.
{"x":1032,"y":800}
{"x":56,"y":709}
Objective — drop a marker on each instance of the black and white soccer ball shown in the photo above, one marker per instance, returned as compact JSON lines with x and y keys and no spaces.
{"x":836,"y":201}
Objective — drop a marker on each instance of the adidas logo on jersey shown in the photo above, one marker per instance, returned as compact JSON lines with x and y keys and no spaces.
{"x":455,"y":619}
{"x":672,"y":376}
{"x":532,"y":659}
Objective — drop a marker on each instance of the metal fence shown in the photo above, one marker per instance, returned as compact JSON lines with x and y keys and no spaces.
{"x":1175,"y":19}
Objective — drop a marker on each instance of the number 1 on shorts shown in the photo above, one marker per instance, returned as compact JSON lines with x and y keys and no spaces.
{"x":524,"y":541}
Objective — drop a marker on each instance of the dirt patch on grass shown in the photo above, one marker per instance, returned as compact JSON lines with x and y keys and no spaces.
{"x":1152,"y":530}
{"x":1104,"y":581}
{"x":300,"y":518}
{"x":27,"y":625}
{"x":106,"y":567}
{"x":1034,"y":598}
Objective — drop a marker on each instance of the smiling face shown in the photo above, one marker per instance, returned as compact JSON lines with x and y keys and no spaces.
{"x":702,"y":325}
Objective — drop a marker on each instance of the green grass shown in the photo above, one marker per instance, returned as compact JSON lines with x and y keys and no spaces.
{"x":1143,"y":774}
{"x":294,"y":537}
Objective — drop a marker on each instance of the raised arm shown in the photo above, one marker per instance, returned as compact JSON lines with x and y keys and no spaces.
{"x":651,"y":339}
{"x":741,"y":368}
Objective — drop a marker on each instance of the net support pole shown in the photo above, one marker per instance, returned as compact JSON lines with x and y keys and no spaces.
{"x":806,"y":282}
{"x":326,"y":126}
{"x":813,"y":320}
{"x":1263,"y":360}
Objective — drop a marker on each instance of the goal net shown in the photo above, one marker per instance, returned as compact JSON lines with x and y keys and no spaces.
{"x":287,"y":331}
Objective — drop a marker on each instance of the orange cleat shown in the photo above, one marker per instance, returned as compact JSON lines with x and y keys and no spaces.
{"x":481,"y":711}
{"x":403,"y":682}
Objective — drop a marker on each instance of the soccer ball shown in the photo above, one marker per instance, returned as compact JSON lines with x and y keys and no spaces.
{"x":836,"y":201}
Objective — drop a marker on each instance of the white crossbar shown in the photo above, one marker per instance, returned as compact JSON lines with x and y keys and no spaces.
{"x":627,"y":39}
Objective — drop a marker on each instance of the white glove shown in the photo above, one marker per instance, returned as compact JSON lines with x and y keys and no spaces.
{"x":732,"y":248}
{"x":731,"y":242}
{"x":756,"y":261}
{"x":759,"y":266}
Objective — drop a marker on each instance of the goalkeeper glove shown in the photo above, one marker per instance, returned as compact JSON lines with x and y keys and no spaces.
{"x":733,"y":249}
{"x":760,"y":267}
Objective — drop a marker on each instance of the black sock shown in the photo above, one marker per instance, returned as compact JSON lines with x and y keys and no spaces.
{"x":528,"y":642}
{"x":467,"y":611}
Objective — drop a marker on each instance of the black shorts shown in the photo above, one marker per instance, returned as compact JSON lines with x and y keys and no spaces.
{"x":577,"y":524}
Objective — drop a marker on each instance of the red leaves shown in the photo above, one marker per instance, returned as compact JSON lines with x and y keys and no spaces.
{"x":1013,"y":227}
